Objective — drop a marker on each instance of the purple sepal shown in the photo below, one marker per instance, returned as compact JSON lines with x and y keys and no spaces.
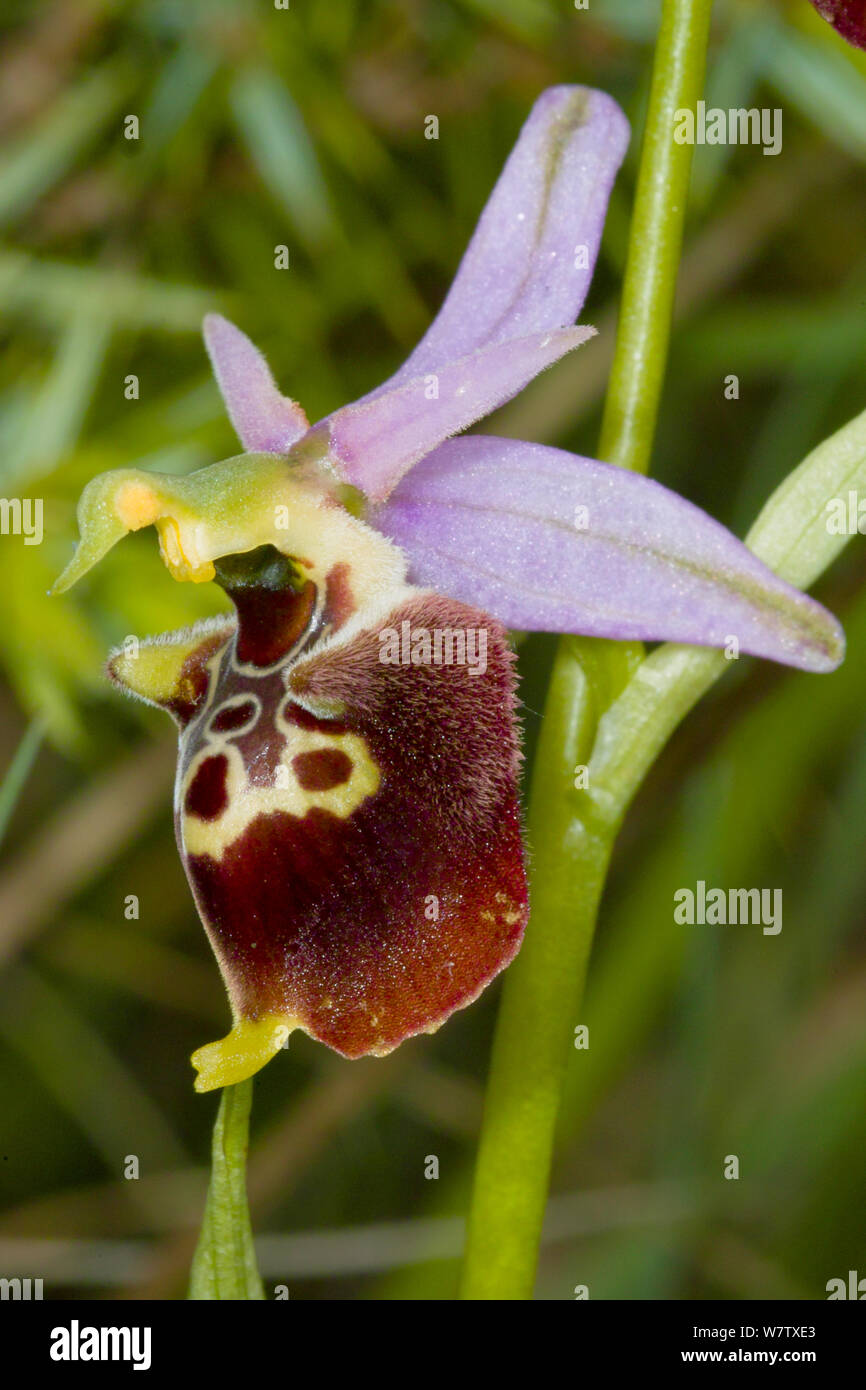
{"x":548,"y":541}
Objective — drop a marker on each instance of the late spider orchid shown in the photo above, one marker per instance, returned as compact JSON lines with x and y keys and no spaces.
{"x":346,"y":799}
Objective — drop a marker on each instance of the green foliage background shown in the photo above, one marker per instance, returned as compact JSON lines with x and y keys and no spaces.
{"x":305,"y":127}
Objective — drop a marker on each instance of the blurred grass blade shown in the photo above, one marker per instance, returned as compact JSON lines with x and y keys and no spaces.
{"x":274,"y":132}
{"x":180,"y":84}
{"x":83,"y":1074}
{"x":533,"y":21}
{"x":48,"y":649}
{"x":17,"y":773}
{"x":636,"y":20}
{"x":52,"y":424}
{"x":41,"y":157}
{"x":764,"y":335}
{"x":822,"y":84}
{"x":731,"y":82}
{"x":809,"y":385}
{"x":51,"y":292}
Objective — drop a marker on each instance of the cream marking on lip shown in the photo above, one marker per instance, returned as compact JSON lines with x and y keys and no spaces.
{"x":245,"y":801}
{"x":233,"y":702}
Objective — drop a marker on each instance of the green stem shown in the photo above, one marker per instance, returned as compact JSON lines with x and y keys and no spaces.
{"x":538,"y":1009}
{"x":655,"y":239}
{"x":571,"y":830}
{"x":224,"y":1265}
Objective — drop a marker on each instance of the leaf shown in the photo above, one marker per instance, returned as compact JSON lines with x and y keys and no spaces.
{"x":790,"y":534}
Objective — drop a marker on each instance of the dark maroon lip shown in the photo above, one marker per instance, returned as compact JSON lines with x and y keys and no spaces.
{"x":374,"y":921}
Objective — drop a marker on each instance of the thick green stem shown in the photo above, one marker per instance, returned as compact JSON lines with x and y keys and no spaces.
{"x":224,"y":1265}
{"x":571,"y":831}
{"x":537,"y":1012}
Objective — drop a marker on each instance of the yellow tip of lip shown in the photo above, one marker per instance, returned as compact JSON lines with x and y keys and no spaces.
{"x":244,"y":1051}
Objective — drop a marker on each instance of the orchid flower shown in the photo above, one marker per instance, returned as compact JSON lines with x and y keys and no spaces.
{"x":347,"y":787}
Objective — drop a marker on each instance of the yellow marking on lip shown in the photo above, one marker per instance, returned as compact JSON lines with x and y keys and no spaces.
{"x":153,"y":670}
{"x":244,"y":801}
{"x":242,"y":1052}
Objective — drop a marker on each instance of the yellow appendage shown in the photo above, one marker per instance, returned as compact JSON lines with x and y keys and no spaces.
{"x":242,"y":1053}
{"x":153,"y":668}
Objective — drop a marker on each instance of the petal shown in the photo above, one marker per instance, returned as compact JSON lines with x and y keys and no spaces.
{"x":549,"y":541}
{"x":230,"y":507}
{"x":360,"y":876}
{"x":374,"y":442}
{"x":265,"y":420}
{"x":530,"y":261}
{"x":218,"y":510}
{"x":523,"y":278}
